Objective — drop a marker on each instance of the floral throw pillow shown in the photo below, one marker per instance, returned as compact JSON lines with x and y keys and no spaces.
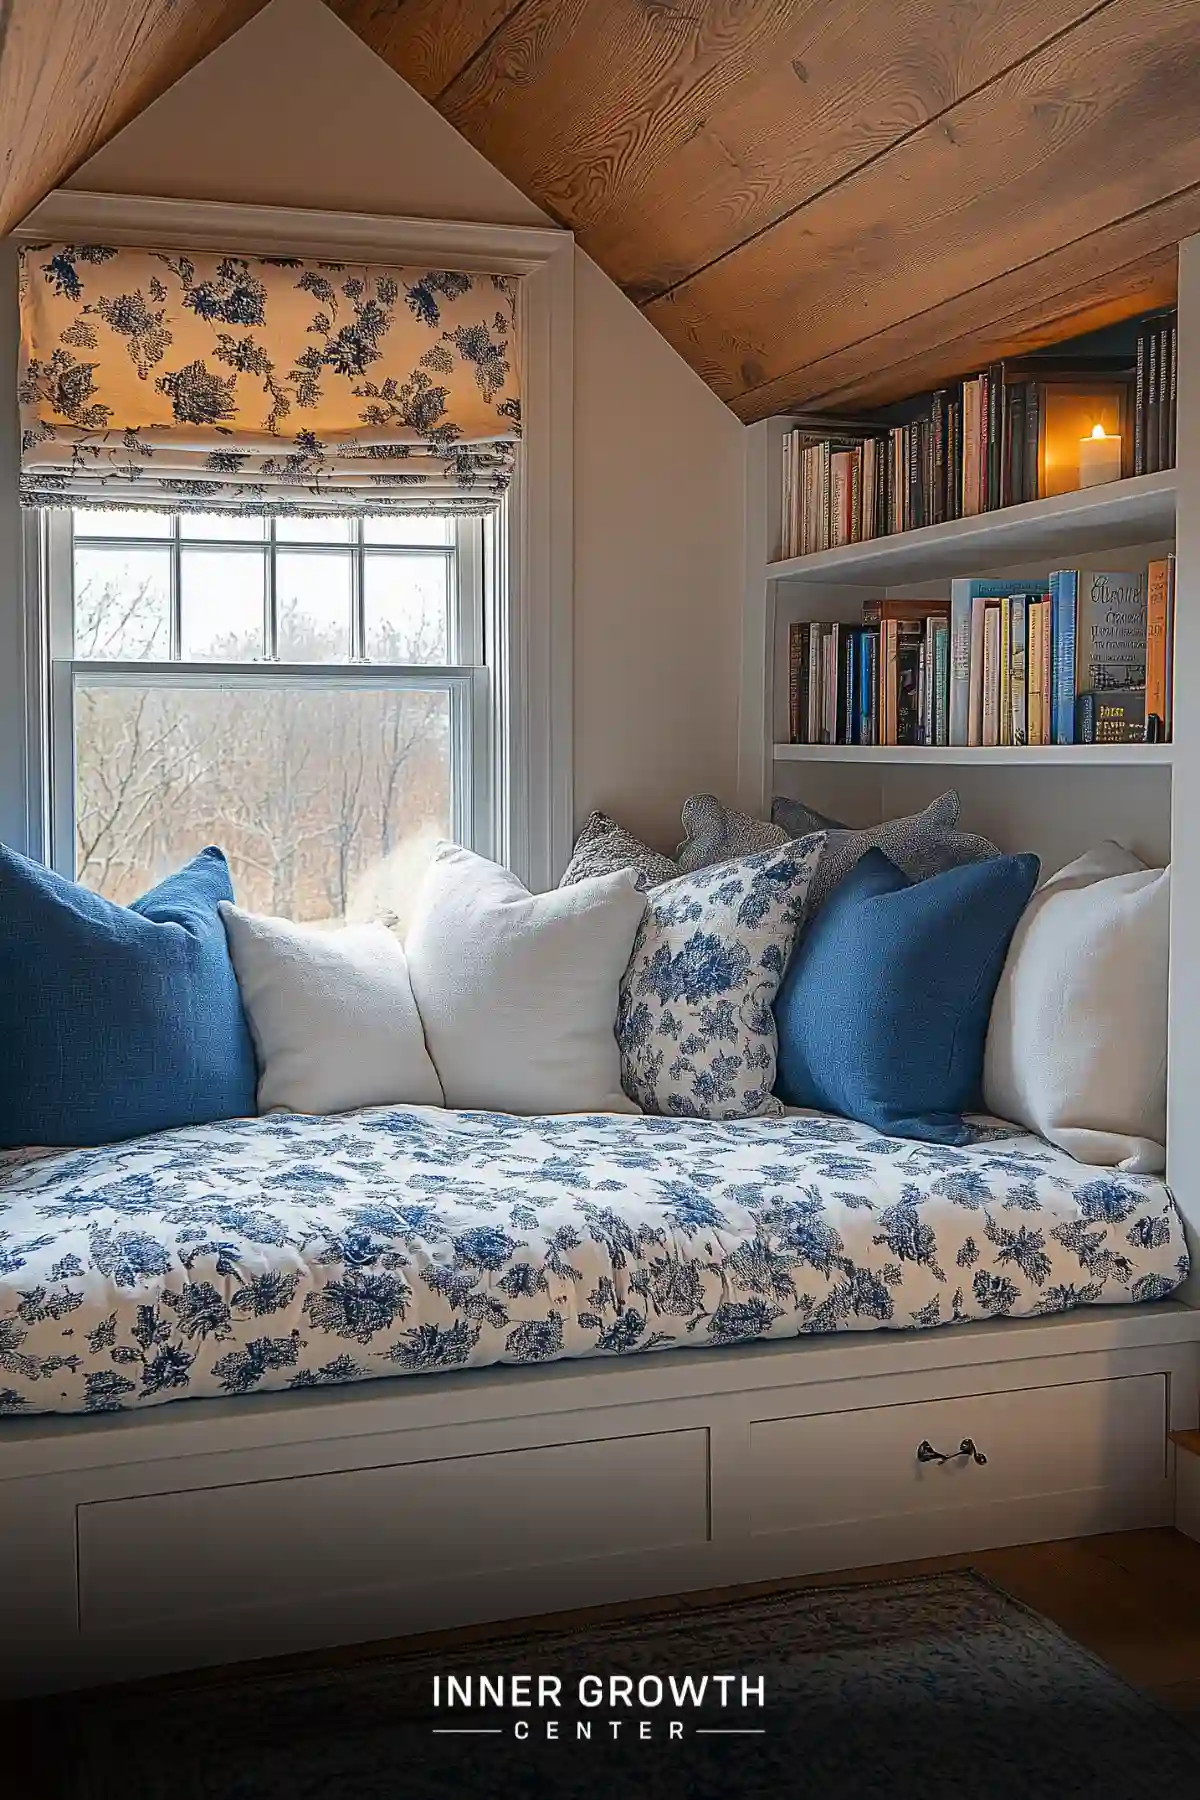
{"x":694,"y":1023}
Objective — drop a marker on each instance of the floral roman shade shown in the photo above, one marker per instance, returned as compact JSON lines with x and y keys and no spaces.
{"x":194,"y":381}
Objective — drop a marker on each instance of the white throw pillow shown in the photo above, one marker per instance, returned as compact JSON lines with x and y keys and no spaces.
{"x":1077,"y":1043}
{"x":332,"y":1015}
{"x":518,"y":991}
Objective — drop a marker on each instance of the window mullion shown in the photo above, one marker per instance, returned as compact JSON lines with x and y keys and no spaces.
{"x":358,"y":593}
{"x":176,"y":592}
{"x":271,"y":598}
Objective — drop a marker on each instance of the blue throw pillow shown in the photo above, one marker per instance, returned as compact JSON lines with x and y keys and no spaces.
{"x":117,"y":1020}
{"x":883,"y":1011}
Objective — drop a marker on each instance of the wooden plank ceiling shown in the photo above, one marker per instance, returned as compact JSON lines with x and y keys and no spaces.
{"x":834,"y":203}
{"x":825,"y":203}
{"x":73,"y":72}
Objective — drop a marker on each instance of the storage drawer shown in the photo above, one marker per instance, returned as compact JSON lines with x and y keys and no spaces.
{"x":836,"y":1468}
{"x":182,"y":1555}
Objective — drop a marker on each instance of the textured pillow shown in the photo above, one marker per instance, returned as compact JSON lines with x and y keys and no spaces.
{"x":603,"y":847}
{"x":715,"y":834}
{"x":117,"y":1020}
{"x":1077,"y":1047}
{"x":332,"y":1016}
{"x":924,"y":844}
{"x":884,"y":1010}
{"x":695,"y":1025}
{"x":517,"y":991}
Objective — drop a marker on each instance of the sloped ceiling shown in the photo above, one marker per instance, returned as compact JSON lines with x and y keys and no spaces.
{"x":833,"y":202}
{"x":73,"y":72}
{"x":818,"y":202}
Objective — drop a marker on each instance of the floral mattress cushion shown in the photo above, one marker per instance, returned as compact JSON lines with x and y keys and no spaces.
{"x":291,"y":1251}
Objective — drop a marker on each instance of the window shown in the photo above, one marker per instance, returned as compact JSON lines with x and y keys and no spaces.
{"x":308,"y":693}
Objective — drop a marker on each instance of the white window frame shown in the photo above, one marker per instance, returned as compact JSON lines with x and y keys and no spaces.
{"x":531,"y":559}
{"x":467,"y":681}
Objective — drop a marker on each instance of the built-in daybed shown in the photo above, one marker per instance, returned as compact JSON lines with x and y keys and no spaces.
{"x":219,"y":1263}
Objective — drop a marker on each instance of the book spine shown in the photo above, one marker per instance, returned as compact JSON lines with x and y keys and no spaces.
{"x":848,"y":707}
{"x":1085,"y":718}
{"x":975,"y":715}
{"x":995,"y":430}
{"x":864,"y":687}
{"x":832,"y":684}
{"x":1034,"y":629}
{"x":856,"y":496}
{"x":785,"y":544}
{"x":1014,"y":446}
{"x":814,"y":686}
{"x":1018,"y":728}
{"x":960,"y":661}
{"x":1171,"y":645}
{"x":1033,"y":440}
{"x":1064,"y":599}
{"x":1139,"y":407}
{"x":887,"y":681}
{"x":937,"y":486}
{"x":1004,"y":723}
{"x":1157,"y":592}
{"x":797,"y":670}
{"x":1152,"y":404}
{"x":991,"y":676}
{"x":1164,"y":395}
{"x":970,"y":457}
{"x":871,"y":688}
{"x":1173,"y":393}
{"x":954,"y":459}
{"x":1047,"y":671}
{"x":941,"y":661}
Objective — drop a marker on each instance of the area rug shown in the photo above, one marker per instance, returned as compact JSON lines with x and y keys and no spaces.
{"x":935,"y":1686}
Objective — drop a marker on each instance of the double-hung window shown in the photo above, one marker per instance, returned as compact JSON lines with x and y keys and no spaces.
{"x":309,"y":693}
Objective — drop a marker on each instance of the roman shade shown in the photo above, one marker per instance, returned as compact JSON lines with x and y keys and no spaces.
{"x":190,"y":381}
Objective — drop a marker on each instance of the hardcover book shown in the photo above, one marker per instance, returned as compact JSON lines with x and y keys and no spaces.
{"x":1110,"y":631}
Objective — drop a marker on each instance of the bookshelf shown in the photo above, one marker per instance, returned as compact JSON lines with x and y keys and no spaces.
{"x":1094,"y":756}
{"x":1125,"y":512}
{"x":1057,"y":801}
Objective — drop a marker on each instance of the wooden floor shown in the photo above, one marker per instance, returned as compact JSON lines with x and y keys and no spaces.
{"x":1131,"y":1597}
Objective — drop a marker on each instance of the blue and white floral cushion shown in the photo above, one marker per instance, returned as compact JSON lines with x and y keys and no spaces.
{"x":694,"y":1023}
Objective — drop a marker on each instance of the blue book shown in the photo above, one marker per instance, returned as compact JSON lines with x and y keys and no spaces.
{"x":1064,"y":601}
{"x":863,"y":645}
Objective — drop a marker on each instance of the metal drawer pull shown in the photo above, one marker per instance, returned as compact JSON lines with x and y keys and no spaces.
{"x":926,"y":1452}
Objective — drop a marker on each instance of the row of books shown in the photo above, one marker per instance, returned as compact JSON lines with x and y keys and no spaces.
{"x":1079,"y":658}
{"x":1009,"y":434}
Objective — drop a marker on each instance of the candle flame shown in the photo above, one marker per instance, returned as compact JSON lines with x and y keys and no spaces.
{"x":1097,"y":431}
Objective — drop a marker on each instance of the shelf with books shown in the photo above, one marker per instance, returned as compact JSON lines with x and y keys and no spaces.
{"x":1046,"y":662}
{"x":1140,"y":509}
{"x":971,"y":756}
{"x":1023,"y":429}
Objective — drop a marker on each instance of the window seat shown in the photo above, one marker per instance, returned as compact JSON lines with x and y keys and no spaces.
{"x":292,"y":1252}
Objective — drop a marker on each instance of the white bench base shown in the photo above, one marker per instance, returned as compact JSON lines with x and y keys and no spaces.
{"x":214,"y":1531}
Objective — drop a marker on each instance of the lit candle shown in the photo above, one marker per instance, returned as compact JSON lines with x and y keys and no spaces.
{"x":1099,"y":458}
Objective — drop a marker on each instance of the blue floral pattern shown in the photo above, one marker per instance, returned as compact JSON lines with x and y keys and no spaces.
{"x":694,"y":1021}
{"x":159,"y":379}
{"x":292,"y":1252}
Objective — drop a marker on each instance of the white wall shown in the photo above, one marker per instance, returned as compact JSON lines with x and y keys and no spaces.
{"x":296,"y":111}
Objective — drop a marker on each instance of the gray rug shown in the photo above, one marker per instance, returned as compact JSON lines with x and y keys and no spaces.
{"x":937,"y":1686}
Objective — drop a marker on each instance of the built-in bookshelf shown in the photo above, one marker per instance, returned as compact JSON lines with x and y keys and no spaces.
{"x":1057,"y":799}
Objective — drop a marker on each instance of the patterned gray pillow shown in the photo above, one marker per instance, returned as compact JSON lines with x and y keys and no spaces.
{"x":717,"y":834}
{"x":924,"y":844}
{"x":604,"y":846}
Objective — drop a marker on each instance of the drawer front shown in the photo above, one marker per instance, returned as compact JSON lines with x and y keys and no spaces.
{"x":835,"y":1468}
{"x":175,"y":1556}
